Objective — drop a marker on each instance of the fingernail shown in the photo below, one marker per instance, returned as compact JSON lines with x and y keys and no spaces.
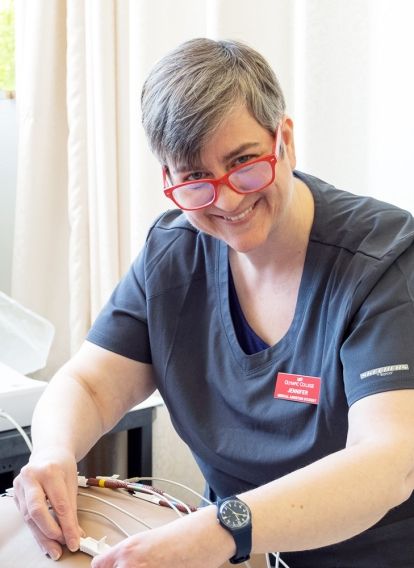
{"x":73,"y":545}
{"x":53,"y":554}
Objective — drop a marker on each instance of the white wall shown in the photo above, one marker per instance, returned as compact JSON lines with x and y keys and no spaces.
{"x":353,"y":95}
{"x":8,"y":159}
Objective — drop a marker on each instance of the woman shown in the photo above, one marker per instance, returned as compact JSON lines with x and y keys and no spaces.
{"x":274,"y":313}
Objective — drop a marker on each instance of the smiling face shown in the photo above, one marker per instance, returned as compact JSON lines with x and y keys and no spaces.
{"x":244,"y":222}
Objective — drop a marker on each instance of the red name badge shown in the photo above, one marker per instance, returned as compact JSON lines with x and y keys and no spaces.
{"x":299,"y":388}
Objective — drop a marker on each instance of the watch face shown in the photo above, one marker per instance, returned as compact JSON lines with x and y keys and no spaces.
{"x":234,"y":514}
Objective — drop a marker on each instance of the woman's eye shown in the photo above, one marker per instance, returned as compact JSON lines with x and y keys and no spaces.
{"x":243,"y":160}
{"x":194,"y":176}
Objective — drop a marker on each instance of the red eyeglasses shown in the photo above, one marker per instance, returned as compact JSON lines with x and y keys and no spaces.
{"x":248,"y":178}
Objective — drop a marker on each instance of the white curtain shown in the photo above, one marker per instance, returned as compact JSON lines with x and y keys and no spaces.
{"x":88,"y":187}
{"x":40,"y":260}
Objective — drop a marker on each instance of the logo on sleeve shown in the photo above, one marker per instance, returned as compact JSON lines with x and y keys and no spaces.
{"x":299,"y":388}
{"x":383,"y":371}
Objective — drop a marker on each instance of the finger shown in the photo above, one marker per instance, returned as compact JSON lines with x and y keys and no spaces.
{"x":63,"y":502}
{"x":17,"y":492}
{"x":34,"y":507}
{"x":32,"y":502}
{"x":74,"y":500}
{"x":103,"y":561}
{"x":49,"y":547}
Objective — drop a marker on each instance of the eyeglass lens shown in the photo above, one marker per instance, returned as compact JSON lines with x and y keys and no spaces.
{"x":251,"y":178}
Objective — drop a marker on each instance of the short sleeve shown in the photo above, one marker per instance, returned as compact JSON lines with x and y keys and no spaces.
{"x":378,"y":353}
{"x":122,"y":325}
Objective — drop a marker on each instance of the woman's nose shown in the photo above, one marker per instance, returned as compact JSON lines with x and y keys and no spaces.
{"x":227,"y":200}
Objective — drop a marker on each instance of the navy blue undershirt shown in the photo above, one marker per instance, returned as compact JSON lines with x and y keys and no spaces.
{"x":247,"y":338}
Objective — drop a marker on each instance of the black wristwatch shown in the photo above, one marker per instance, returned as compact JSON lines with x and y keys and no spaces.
{"x":235,"y":516}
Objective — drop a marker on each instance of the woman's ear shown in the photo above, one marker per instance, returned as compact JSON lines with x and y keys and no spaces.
{"x":166,"y":176}
{"x":288,"y":141}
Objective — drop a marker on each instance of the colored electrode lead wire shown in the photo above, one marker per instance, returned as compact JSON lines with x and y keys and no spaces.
{"x":169,"y":500}
{"x":163,"y":502}
{"x":202,"y":497}
{"x":143,"y":487}
{"x":112,"y":483}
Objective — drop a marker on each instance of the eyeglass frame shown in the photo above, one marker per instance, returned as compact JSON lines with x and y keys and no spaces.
{"x":272,"y":159}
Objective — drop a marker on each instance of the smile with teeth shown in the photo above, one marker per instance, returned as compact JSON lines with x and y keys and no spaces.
{"x":240,"y":216}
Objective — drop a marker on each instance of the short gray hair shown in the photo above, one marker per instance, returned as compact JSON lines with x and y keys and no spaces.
{"x":194,"y":87}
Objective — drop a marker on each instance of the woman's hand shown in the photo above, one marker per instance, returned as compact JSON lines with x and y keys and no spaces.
{"x":45,"y":493}
{"x":194,"y":541}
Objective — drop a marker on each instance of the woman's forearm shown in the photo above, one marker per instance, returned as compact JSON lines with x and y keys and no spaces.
{"x":329,"y":501}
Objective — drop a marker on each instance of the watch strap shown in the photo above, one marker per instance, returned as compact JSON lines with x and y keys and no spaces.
{"x":242,"y":536}
{"x":243,"y":541}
